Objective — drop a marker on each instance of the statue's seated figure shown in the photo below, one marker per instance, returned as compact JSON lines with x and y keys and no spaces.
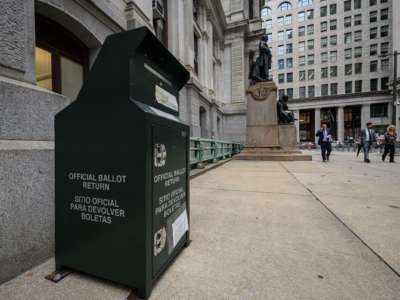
{"x":285,"y":116}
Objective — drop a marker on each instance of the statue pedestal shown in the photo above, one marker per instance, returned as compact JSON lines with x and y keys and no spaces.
{"x":266,"y":139}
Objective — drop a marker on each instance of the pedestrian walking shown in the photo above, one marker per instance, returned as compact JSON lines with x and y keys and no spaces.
{"x":390,"y":143}
{"x":324,"y":135}
{"x":367,"y":138}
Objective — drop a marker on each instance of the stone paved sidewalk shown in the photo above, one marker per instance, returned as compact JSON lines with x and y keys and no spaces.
{"x":270,"y":230}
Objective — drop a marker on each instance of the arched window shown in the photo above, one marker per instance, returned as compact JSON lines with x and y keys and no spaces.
{"x":265,"y":12}
{"x":285,"y":6}
{"x":62,"y":60}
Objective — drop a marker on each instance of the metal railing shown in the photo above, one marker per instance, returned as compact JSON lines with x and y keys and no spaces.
{"x":208,"y":150}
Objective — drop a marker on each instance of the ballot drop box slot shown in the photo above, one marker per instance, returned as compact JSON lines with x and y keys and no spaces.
{"x":121,"y":158}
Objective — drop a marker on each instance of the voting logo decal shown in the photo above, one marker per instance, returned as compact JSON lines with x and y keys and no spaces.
{"x":160,"y":155}
{"x":160,"y":238}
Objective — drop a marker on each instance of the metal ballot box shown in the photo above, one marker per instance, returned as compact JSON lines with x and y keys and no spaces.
{"x":122,"y":166}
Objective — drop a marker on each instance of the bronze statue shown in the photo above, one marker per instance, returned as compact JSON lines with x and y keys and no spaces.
{"x":285,"y":116}
{"x":259,"y":69}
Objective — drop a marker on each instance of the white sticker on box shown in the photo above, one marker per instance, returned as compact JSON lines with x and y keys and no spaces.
{"x":179,"y":227}
{"x":165,"y":98}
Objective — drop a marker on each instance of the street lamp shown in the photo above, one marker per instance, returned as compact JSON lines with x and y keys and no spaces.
{"x":395,"y":82}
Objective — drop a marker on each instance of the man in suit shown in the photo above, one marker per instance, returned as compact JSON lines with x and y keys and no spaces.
{"x":324,"y":135}
{"x":367,"y":138}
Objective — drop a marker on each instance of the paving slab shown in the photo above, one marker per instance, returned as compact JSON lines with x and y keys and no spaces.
{"x":258,"y":233}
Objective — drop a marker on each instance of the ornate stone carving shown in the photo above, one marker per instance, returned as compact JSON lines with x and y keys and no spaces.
{"x":260,"y":91}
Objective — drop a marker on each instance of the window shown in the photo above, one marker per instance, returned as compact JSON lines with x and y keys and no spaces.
{"x":310,"y":59}
{"x":288,"y":20}
{"x":333,"y":55}
{"x":281,"y":78}
{"x":289,"y":93}
{"x":347,"y":5}
{"x":373,"y":16}
{"x":348,"y":53}
{"x":310,"y":74}
{"x":281,"y":50}
{"x":373,"y":49}
{"x":357,"y":4}
{"x":358,"y":36}
{"x":310,"y":29}
{"x":384,"y":48}
{"x":357,"y":68}
{"x":285,"y":6}
{"x":384,"y":83}
{"x":324,"y":11}
{"x":373,"y":84}
{"x":348,"y":69}
{"x":324,"y":42}
{"x":332,"y":9}
{"x":384,"y":31}
{"x":310,"y":14}
{"x":289,"y":48}
{"x":347,"y":22}
{"x":324,"y":57}
{"x":302,"y":31}
{"x":333,"y":71}
{"x":379,"y":110}
{"x":324,"y":26}
{"x":302,"y":92}
{"x":289,"y":34}
{"x":358,"y":86}
{"x":311,"y":91}
{"x":267,"y":24}
{"x":281,"y":35}
{"x":281,"y":92}
{"x":289,"y":77}
{"x":280,"y":21}
{"x":302,"y":61}
{"x":373,"y":66}
{"x":269,"y":36}
{"x":385,"y":65}
{"x":302,"y":75}
{"x":372,"y":2}
{"x":289,"y":63}
{"x":310,"y":44}
{"x":347,"y":38}
{"x":373,"y":33}
{"x":324,"y":72}
{"x":266,"y":11}
{"x":324,"y":89}
{"x":384,"y":1}
{"x":301,"y":16}
{"x":357,"y":52}
{"x":332,"y":24}
{"x":348,"y":87}
{"x":302,"y":46}
{"x":196,"y":54}
{"x":333,"y":40}
{"x":281,"y":64}
{"x":357,"y":20}
{"x":305,"y":2}
{"x":334,"y":88}
{"x":384,"y":14}
{"x":61,"y":64}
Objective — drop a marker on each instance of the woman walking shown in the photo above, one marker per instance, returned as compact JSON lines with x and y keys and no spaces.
{"x":390,"y":143}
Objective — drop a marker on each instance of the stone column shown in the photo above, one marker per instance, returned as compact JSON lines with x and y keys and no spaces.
{"x":365,"y":114}
{"x":398,"y":121}
{"x":340,"y":124}
{"x":297,"y":124}
{"x":317,"y":122}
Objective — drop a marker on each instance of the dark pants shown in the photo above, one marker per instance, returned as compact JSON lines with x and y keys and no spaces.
{"x":388,"y":149}
{"x":326,"y":149}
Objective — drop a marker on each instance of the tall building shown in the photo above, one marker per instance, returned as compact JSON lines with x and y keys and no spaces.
{"x":332,"y":58}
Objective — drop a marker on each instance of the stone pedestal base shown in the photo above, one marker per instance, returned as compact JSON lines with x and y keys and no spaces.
{"x":266,"y":140}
